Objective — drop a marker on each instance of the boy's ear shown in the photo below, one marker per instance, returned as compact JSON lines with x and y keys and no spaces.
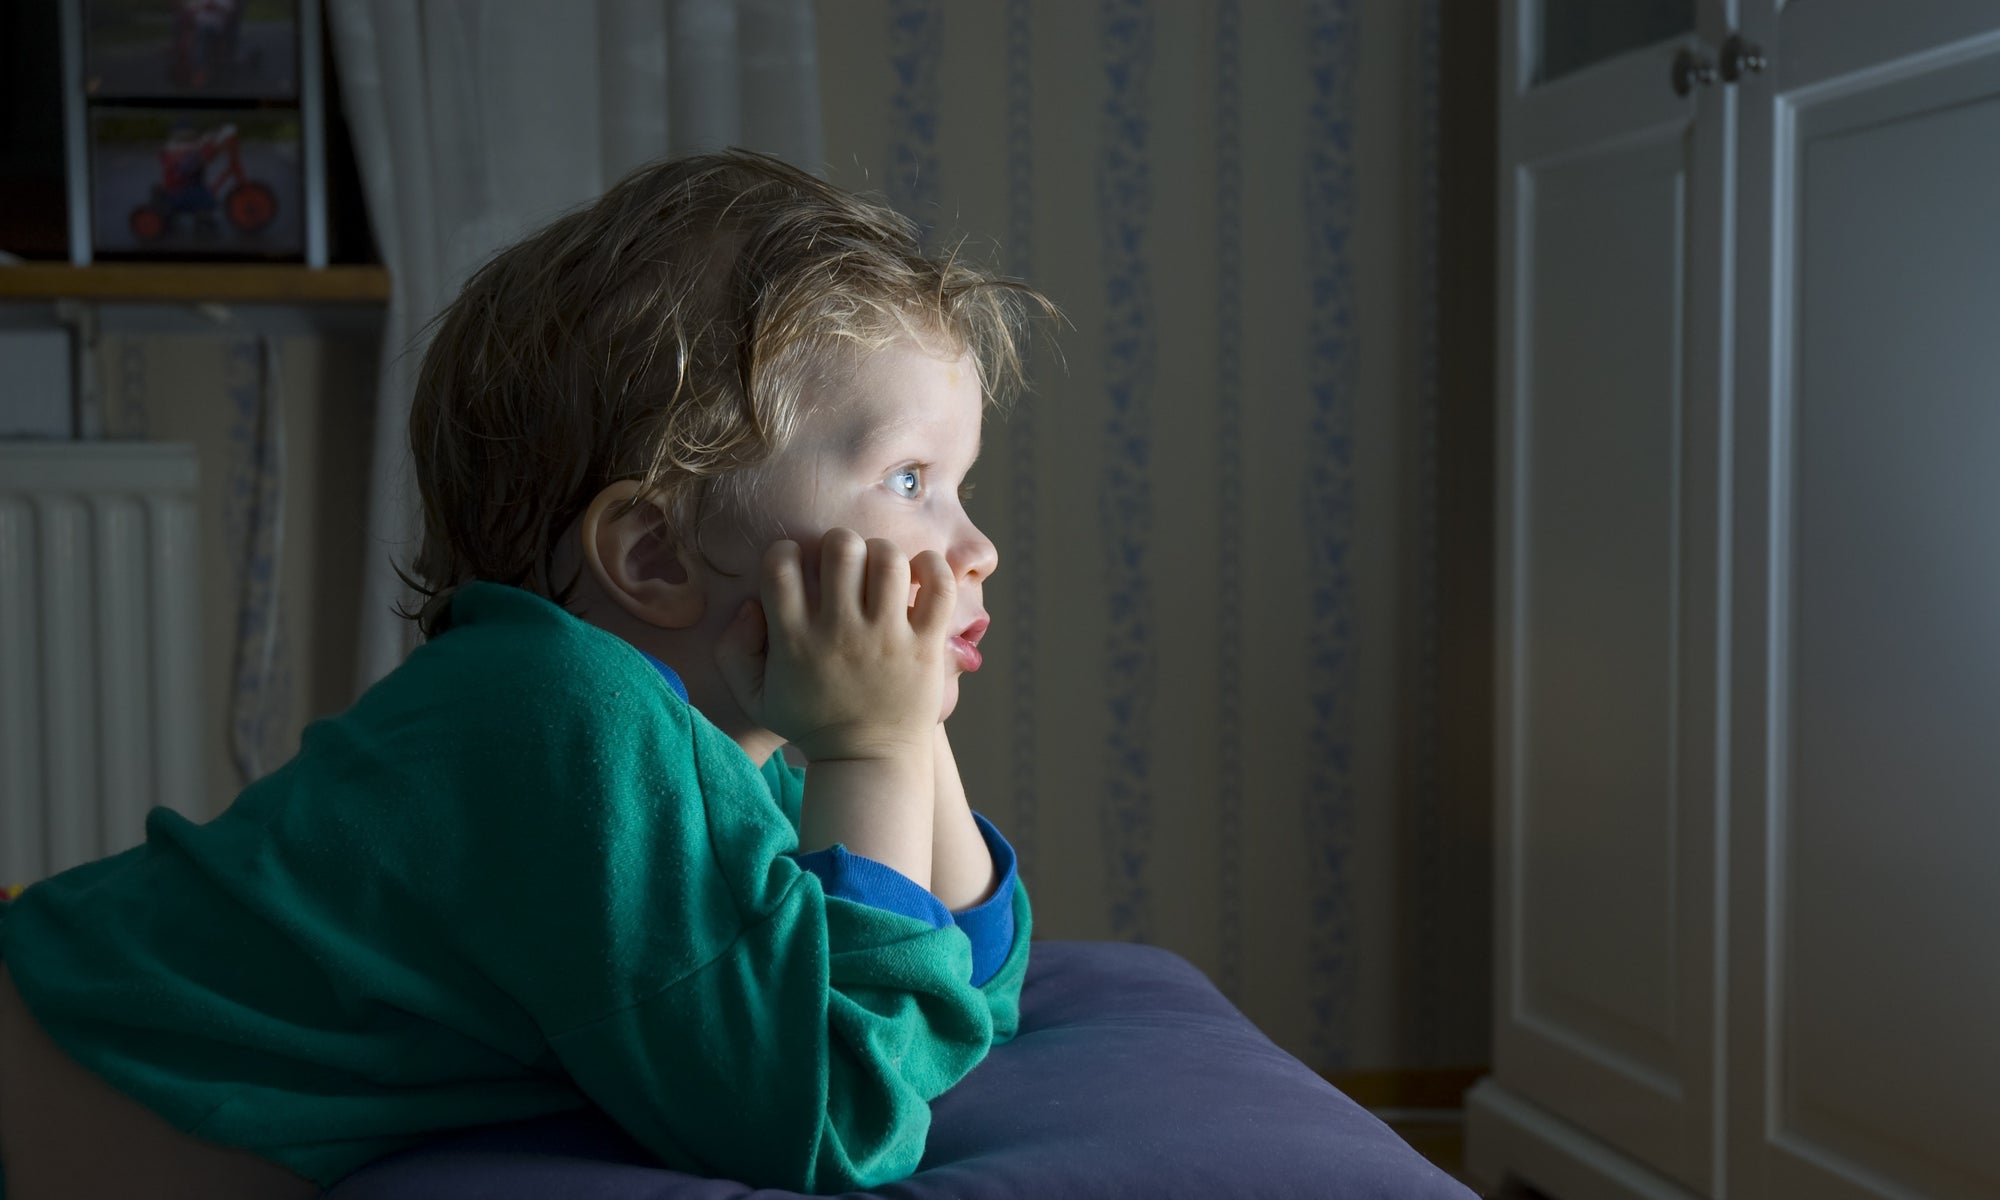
{"x":626,"y":548}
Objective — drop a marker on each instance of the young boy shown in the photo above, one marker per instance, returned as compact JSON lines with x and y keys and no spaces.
{"x":690,"y":461}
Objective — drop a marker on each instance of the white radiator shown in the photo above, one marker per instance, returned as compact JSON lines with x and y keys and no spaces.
{"x":100,"y":649}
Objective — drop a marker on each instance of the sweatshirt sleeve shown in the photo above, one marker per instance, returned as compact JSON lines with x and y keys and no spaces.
{"x":793,"y":1061}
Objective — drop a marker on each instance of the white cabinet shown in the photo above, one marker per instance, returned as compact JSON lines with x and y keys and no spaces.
{"x":1748,"y":744}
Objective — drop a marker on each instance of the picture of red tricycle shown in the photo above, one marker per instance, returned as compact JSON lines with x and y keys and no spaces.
{"x":190,"y":186}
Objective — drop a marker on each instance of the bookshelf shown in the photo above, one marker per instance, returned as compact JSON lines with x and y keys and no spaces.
{"x":196,"y":283}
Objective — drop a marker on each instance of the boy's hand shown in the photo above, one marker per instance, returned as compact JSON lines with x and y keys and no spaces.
{"x":859,"y":674}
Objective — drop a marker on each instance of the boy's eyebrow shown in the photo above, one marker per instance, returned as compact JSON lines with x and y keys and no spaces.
{"x":870,"y":439}
{"x":874,"y":435}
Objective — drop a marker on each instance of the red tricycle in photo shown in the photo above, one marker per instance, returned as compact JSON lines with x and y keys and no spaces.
{"x":191,"y":186}
{"x":197,"y":182}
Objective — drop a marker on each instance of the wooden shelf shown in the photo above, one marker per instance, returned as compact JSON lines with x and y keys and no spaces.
{"x":197,"y":283}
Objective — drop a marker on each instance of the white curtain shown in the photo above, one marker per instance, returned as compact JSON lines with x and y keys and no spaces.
{"x":475,"y":121}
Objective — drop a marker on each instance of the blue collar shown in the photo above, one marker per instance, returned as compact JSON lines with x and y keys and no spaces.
{"x":673,"y":680}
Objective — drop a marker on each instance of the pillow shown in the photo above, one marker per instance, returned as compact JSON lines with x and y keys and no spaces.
{"x":1132,"y":1076}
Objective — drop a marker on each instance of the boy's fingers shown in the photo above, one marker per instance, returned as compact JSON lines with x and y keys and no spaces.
{"x":937,"y":593}
{"x":842,"y":556}
{"x":781,"y":587}
{"x":888,"y":588}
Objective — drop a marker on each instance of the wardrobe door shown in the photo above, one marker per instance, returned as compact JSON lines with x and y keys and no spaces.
{"x":1615,"y":201}
{"x":1865,"y":1000}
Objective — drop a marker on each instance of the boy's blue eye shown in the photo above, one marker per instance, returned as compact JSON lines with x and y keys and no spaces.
{"x":907,"y":482}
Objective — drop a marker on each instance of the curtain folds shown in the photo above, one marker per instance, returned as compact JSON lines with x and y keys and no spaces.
{"x":476,"y":121}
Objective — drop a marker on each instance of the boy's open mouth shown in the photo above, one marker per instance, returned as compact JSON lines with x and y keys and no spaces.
{"x":965,"y":644}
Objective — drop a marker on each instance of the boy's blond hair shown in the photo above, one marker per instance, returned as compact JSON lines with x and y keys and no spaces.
{"x":665,"y":334}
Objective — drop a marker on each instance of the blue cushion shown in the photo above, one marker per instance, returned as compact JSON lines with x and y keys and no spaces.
{"x":1131,"y":1077}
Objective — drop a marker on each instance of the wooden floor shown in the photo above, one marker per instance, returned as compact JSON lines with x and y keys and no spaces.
{"x":1425,"y":1109}
{"x":1440,"y":1138}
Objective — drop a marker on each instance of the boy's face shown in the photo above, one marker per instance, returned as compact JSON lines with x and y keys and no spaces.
{"x":884,"y":452}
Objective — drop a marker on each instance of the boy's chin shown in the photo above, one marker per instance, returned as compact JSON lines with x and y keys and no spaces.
{"x":950,"y":697}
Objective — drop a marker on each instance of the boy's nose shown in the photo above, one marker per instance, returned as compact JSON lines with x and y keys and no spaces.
{"x":974,"y":556}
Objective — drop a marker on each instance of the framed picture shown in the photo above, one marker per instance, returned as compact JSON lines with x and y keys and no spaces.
{"x":191,"y":49}
{"x":197,"y":183}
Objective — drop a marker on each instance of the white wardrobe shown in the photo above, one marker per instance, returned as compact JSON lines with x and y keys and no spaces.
{"x":1748,"y":563}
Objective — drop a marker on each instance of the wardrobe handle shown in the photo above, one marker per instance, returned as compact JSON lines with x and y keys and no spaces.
{"x":1740,"y":58}
{"x":1690,"y":69}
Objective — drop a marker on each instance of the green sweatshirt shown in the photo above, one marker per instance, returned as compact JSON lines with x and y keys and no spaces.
{"x":519,"y":876}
